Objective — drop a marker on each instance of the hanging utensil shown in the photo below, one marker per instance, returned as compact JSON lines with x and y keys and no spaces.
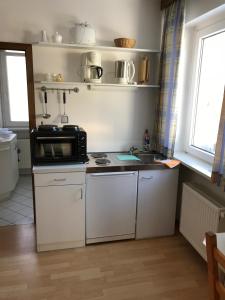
{"x":64,"y":117}
{"x":46,"y":115}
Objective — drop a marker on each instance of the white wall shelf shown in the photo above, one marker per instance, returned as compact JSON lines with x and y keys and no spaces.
{"x":90,"y":84}
{"x":96,"y":47}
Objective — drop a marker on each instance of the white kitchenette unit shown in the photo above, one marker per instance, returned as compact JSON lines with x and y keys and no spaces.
{"x":76,"y":205}
{"x":60,"y":206}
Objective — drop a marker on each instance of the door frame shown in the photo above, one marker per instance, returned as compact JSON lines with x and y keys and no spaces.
{"x":27,"y":48}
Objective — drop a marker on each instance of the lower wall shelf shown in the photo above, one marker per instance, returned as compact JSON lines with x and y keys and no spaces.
{"x":92,"y":84}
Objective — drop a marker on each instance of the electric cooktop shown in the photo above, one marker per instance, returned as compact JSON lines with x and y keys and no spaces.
{"x":102,"y":161}
{"x":99,"y":155}
{"x":100,"y":158}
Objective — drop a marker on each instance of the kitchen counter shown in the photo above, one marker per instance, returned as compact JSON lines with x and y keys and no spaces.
{"x":117,"y":165}
{"x":59,"y":168}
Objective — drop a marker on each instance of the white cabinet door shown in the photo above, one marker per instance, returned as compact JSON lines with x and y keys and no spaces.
{"x":157,"y":197}
{"x":60,"y":213}
{"x":8,"y":167}
{"x":111,"y":205}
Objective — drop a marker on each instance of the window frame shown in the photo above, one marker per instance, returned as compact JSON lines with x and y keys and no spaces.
{"x":196,"y":58}
{"x":5,"y":92}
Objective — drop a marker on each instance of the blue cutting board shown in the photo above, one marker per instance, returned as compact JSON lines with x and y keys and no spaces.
{"x":127,"y":157}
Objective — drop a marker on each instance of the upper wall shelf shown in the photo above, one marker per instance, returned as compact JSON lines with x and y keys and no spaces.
{"x":96,"y":47}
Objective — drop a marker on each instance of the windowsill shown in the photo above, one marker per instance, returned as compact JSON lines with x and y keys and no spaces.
{"x":201,"y":167}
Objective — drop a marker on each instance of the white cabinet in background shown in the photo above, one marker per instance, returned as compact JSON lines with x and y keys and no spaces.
{"x":9,"y":173}
{"x":111,"y":206}
{"x":60,"y":210}
{"x":157,"y":198}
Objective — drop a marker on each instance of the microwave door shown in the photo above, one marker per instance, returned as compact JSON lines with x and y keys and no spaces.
{"x":48,"y":151}
{"x":67,"y":150}
{"x":58,"y":150}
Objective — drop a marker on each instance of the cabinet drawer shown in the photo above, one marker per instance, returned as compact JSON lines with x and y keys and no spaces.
{"x":59,"y":179}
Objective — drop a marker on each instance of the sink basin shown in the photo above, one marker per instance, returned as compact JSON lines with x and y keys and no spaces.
{"x":149,"y":157}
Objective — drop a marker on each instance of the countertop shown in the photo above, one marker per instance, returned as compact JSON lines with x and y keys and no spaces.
{"x":59,"y":168}
{"x":120,"y":166}
{"x":115,"y":165}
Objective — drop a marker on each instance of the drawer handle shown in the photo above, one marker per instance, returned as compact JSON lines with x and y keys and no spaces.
{"x":147,"y":178}
{"x":112,"y":174}
{"x":59,"y":179}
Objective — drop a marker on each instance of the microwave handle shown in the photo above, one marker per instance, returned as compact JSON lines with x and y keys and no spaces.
{"x":55,"y":137}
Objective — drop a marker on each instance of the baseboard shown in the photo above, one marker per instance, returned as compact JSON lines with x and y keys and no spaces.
{"x":110,"y":238}
{"x":57,"y":246}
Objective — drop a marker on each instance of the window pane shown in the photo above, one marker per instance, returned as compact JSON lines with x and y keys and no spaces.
{"x":17,"y":88}
{"x":210,"y":92}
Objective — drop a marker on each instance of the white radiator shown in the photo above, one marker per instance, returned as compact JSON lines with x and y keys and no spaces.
{"x":24,"y":156}
{"x":199,"y":214}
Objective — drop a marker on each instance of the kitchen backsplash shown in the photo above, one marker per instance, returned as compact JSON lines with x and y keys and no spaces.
{"x":115,"y":118}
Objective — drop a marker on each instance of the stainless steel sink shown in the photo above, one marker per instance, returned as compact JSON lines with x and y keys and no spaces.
{"x":149,"y":157}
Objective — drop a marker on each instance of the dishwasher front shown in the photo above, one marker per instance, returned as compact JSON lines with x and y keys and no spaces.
{"x":110,"y":206}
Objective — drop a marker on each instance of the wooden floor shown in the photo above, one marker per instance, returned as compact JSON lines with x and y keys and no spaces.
{"x":156,"y":269}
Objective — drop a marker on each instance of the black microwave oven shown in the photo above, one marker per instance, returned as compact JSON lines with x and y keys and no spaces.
{"x":51,"y":144}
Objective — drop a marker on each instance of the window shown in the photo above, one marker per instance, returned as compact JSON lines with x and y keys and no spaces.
{"x":207,"y":93}
{"x":14,"y":89}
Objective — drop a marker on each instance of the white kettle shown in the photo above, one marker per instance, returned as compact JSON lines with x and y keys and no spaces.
{"x":84,"y":34}
{"x":124,"y":71}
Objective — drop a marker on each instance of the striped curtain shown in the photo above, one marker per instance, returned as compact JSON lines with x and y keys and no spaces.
{"x":165,"y":126}
{"x":218,"y":172}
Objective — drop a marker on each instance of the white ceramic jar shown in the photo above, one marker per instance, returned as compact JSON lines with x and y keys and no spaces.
{"x":84,"y":34}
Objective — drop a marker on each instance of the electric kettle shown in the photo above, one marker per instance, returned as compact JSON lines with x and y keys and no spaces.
{"x":124,"y":71}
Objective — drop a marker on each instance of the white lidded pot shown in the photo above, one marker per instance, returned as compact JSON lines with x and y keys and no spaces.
{"x":84,"y":34}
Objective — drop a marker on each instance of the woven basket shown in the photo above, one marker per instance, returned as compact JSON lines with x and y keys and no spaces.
{"x":125,"y":43}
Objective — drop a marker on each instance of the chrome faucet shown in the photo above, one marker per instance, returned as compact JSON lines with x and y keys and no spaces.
{"x":133,"y":149}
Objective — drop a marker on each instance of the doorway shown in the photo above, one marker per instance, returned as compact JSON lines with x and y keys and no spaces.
{"x":17,"y":117}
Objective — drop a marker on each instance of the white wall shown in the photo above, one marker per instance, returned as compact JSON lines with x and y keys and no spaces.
{"x":197,"y":8}
{"x":114,"y":118}
{"x":22,"y":20}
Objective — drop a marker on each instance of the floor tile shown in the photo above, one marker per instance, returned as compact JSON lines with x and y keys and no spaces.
{"x":23,"y":192}
{"x":18,"y":209}
{"x":26,"y":211}
{"x":24,"y":220}
{"x":11,"y":216}
{"x":15,"y":206}
{"x":4,"y":223}
{"x":25,"y":201}
{"x":4,"y":212}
